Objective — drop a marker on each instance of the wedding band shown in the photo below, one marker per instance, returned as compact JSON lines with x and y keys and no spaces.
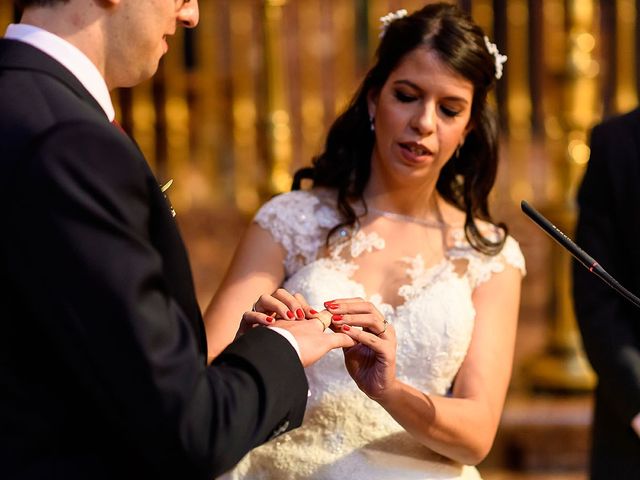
{"x":384,"y":324}
{"x":325,"y":319}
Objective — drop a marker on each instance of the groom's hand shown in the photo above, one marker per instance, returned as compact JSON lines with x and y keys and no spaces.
{"x":313,"y":340}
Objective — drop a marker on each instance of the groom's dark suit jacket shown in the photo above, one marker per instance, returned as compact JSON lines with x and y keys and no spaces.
{"x":609,"y":230}
{"x":102,"y":346}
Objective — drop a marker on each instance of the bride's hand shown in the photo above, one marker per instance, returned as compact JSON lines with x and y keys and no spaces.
{"x":372,"y":361}
{"x":280,"y":305}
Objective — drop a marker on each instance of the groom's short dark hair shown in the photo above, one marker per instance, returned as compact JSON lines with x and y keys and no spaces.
{"x":37,"y":3}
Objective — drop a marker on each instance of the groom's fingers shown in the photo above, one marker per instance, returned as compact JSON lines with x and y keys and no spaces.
{"x":340,"y":340}
{"x":324,"y":317}
{"x":313,"y":342}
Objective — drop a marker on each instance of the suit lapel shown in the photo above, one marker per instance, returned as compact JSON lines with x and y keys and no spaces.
{"x":15,"y":55}
{"x":166,"y":238}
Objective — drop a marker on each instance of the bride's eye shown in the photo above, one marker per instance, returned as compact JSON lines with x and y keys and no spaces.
{"x":404,"y":97}
{"x":449,"y":112}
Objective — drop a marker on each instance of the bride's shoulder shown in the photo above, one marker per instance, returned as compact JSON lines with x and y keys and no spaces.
{"x":483,"y":264}
{"x":304,"y":211}
{"x":455,"y":219}
{"x":496,"y":234}
{"x":460,"y":246}
{"x":287,"y":207}
{"x":299,"y":221}
{"x":301,"y":199}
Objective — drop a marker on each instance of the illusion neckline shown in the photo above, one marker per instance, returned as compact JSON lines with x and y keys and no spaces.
{"x":431,"y":223}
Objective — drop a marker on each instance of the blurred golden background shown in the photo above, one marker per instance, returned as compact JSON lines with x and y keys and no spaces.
{"x":245,"y":99}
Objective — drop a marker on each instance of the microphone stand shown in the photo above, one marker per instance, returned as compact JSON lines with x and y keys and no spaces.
{"x":579,"y":254}
{"x":560,"y":367}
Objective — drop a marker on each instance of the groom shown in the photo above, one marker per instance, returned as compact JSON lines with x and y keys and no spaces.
{"x":102,"y":349}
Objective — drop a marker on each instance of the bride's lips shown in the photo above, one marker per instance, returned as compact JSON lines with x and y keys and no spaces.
{"x":414,"y":151}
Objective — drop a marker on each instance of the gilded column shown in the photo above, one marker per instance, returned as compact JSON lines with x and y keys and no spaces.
{"x":626,"y":97}
{"x":563,"y":366}
{"x":277,"y":121}
{"x":245,"y":75}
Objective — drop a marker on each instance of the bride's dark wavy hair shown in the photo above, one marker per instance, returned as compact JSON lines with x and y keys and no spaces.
{"x":467,"y":178}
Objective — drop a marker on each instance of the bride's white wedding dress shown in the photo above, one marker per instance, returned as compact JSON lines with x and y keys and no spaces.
{"x":345,"y":435}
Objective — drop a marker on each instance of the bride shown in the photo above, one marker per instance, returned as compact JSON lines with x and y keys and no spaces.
{"x":395,"y":229}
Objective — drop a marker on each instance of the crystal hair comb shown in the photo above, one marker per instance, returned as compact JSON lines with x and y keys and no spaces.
{"x":499,"y":59}
{"x":389,"y":18}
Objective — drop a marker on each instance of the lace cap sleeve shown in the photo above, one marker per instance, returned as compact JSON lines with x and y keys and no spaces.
{"x":481,"y":267}
{"x":299,"y":221}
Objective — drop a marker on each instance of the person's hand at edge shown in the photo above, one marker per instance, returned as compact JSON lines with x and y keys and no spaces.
{"x":635,"y":424}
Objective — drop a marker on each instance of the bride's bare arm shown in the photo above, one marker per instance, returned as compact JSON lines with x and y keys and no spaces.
{"x":463,"y":426}
{"x":256,"y":268}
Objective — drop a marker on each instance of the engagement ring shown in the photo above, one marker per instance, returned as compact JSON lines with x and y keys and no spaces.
{"x":384,"y":329}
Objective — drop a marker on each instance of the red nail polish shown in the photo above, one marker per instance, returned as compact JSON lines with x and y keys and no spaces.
{"x":332,"y":306}
{"x":346,"y":328}
{"x":300,"y":313}
{"x":330,"y":302}
{"x":269,"y":319}
{"x":290,"y":314}
{"x":337,"y":316}
{"x":312,"y":312}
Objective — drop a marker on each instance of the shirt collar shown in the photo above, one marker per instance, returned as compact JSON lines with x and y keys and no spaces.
{"x":70,"y":57}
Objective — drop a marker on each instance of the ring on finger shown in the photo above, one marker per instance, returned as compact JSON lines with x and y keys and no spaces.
{"x":384,"y":327}
{"x":325,"y":319}
{"x":324,"y":327}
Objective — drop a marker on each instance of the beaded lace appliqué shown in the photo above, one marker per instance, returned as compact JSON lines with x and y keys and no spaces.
{"x":359,"y":243}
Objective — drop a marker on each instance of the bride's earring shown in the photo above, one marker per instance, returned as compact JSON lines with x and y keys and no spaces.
{"x":372,"y":124}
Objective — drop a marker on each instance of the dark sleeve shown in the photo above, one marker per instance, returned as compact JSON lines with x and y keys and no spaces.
{"x":610,"y":324}
{"x":95,"y":281}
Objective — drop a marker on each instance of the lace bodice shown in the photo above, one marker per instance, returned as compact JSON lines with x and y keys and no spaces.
{"x":345,"y":434}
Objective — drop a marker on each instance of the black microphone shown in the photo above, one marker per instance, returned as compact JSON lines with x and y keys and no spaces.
{"x":579,"y":254}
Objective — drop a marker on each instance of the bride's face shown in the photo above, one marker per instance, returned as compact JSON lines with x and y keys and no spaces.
{"x":421,"y":116}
